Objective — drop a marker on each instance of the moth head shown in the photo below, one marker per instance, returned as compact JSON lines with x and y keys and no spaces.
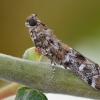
{"x":32,"y":21}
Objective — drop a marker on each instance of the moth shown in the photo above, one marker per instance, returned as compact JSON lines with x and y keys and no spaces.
{"x":60,"y":53}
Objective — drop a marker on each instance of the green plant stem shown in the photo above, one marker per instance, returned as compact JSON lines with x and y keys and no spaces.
{"x":37,"y":75}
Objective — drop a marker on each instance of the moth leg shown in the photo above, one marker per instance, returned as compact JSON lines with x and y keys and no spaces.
{"x":53,"y":68}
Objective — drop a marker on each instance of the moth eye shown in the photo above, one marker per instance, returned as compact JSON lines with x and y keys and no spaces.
{"x":32,"y":22}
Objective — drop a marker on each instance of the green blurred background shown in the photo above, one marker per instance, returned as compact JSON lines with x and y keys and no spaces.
{"x":75,"y":22}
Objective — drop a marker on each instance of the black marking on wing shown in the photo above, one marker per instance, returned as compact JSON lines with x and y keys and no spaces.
{"x":81,"y":57}
{"x":89,"y":81}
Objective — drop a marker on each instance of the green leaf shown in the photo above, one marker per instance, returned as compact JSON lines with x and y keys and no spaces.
{"x":25,"y":93}
{"x":32,"y":54}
